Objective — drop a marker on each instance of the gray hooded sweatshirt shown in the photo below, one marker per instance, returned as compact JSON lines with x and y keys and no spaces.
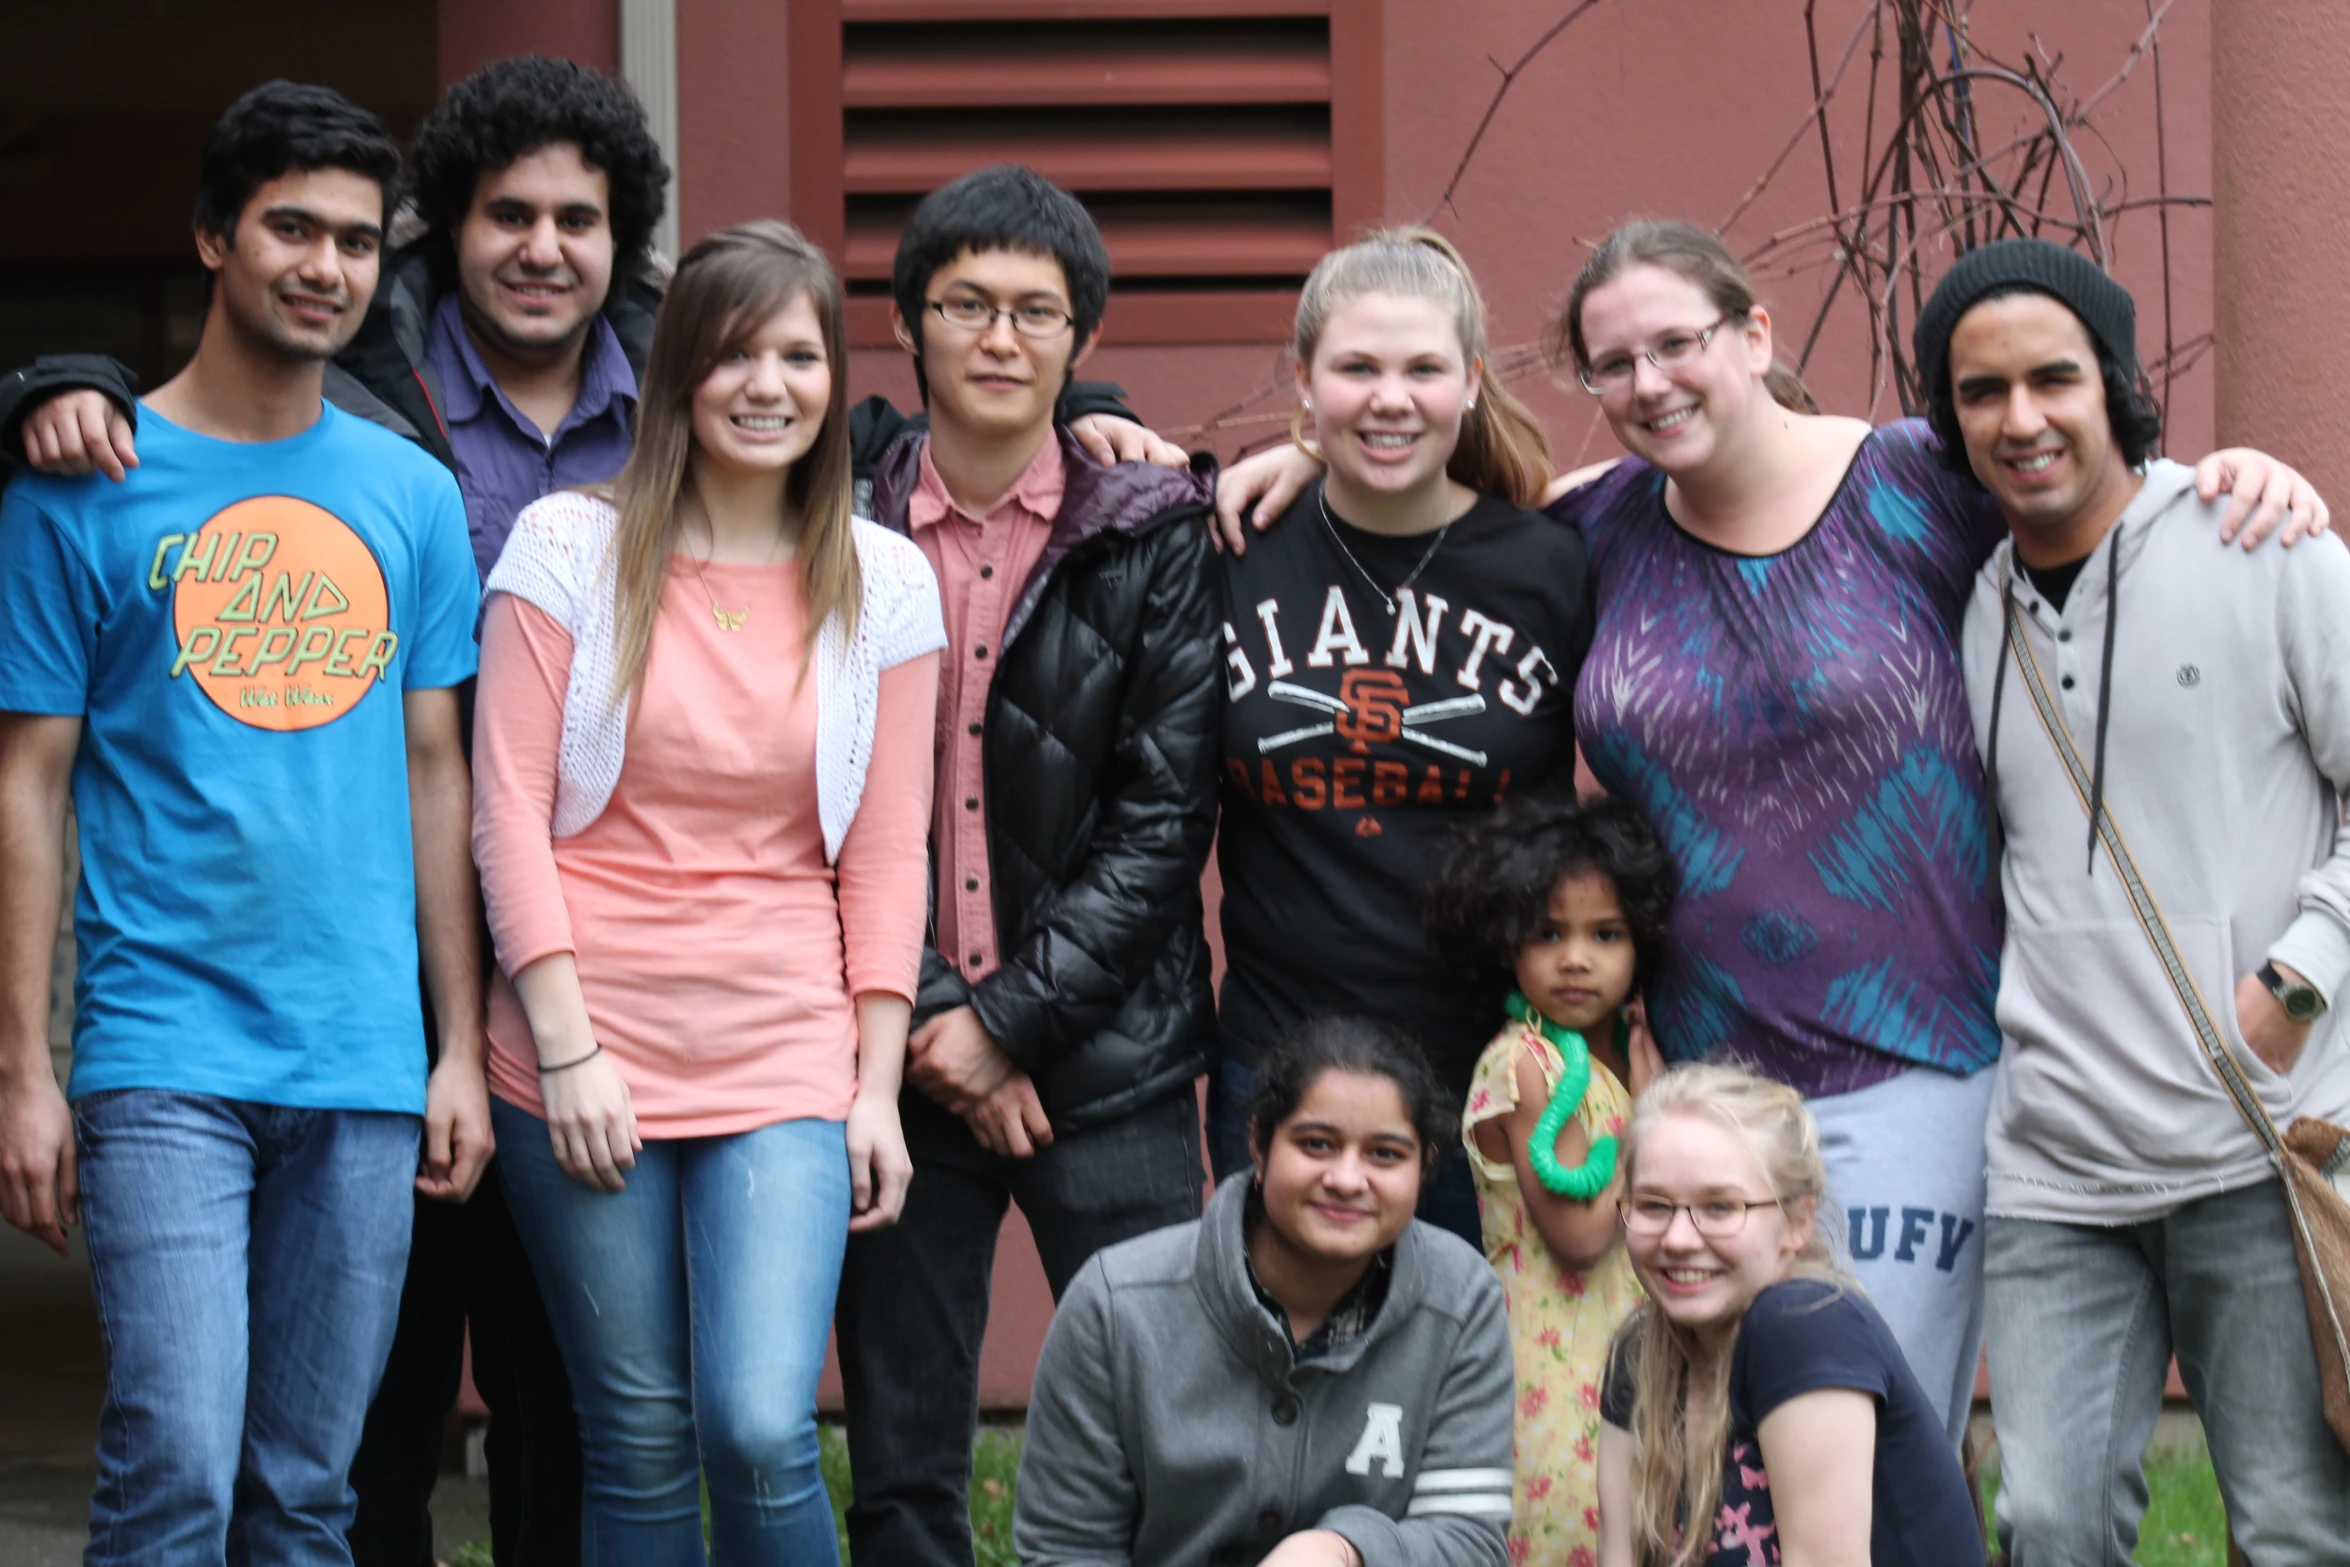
{"x":2228,"y":754}
{"x":1171,"y":1425}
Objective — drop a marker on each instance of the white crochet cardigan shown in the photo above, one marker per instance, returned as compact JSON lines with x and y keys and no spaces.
{"x":559,"y":558}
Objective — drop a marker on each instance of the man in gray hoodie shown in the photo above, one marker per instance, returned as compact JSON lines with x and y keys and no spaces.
{"x":2132,"y":1213}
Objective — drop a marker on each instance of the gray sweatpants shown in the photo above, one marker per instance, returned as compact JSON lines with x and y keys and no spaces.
{"x":1905,"y":1189}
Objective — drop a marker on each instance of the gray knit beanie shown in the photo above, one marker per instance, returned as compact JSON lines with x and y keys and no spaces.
{"x":2069,"y":277}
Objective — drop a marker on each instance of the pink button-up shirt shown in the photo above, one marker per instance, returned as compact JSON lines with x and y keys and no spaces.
{"x":982,"y":563}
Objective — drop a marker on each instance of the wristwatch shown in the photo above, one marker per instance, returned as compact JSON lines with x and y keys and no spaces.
{"x":2299,"y":998}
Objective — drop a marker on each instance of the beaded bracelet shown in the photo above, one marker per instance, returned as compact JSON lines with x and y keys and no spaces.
{"x":1591,"y":1177}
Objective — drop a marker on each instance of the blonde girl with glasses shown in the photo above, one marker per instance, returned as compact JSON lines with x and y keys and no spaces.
{"x":1757,"y":1409}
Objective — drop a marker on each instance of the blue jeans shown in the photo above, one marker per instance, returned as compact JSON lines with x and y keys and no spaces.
{"x":2083,"y":1321}
{"x":247,"y":1262}
{"x":692,"y":1309}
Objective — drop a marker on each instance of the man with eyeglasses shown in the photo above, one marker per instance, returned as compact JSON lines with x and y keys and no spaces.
{"x":1064,"y":1012}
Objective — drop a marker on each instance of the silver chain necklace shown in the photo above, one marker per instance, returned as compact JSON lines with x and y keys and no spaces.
{"x":1321,"y":500}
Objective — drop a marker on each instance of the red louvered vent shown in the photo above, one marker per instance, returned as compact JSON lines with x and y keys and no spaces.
{"x":1222,"y":145}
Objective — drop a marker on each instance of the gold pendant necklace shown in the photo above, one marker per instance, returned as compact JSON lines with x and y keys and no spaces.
{"x":728,"y":619}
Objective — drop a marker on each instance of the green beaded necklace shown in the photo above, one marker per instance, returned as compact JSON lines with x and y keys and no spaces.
{"x":1590,"y":1178}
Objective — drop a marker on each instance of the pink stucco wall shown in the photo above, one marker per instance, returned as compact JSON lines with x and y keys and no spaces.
{"x":2282,"y":140}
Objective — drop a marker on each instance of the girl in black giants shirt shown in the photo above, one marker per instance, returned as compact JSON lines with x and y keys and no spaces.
{"x":1400,"y":657}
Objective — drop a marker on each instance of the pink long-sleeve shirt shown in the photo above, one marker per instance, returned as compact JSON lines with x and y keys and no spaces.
{"x":718,"y":952}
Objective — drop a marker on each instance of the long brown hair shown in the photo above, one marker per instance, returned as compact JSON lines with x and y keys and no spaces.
{"x":1502,"y":450}
{"x":1690,"y":253}
{"x":1677,"y":1465}
{"x":727,"y":287}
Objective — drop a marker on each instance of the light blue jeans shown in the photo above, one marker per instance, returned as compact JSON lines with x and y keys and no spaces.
{"x":247,"y":1261}
{"x":692,"y":1309}
{"x":2084,"y":1320}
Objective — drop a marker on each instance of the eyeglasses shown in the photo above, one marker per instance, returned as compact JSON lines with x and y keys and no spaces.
{"x":1671,"y":352}
{"x":1716,"y":1218}
{"x":966,"y":314}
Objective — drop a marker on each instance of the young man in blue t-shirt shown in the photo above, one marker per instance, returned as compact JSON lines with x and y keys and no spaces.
{"x":243,"y":663}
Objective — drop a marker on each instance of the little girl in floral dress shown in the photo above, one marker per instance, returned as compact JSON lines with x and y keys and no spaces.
{"x":1571,"y":900}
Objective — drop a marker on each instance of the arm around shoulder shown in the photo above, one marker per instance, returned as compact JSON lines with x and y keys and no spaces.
{"x":25,"y":392}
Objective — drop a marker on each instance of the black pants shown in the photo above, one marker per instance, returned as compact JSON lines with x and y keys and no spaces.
{"x":466,"y":1263}
{"x":914,"y":1298}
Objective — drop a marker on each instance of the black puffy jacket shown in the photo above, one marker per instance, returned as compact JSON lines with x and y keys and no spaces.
{"x":1100,"y":758}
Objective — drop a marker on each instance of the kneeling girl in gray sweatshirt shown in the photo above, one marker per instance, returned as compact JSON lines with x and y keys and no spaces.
{"x":1305,"y":1377}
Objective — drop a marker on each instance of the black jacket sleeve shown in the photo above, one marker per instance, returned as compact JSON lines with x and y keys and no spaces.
{"x":1081,"y":399}
{"x":942,"y":987}
{"x":874,"y":422}
{"x":22,"y":391}
{"x":1086,"y":954}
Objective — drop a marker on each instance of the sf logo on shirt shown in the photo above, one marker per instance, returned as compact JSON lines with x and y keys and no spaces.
{"x":279,"y":612}
{"x":1374,"y":706}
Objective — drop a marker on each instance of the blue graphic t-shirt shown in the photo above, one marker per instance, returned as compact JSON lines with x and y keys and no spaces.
{"x":1796,"y":727}
{"x":236,"y":625}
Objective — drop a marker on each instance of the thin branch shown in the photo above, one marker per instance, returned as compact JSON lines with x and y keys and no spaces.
{"x":1816,"y":114}
{"x":2138,"y":51}
{"x":1509,"y":78}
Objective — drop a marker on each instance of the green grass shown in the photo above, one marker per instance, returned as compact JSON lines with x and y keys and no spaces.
{"x":995,"y":1465}
{"x":2185,"y":1526}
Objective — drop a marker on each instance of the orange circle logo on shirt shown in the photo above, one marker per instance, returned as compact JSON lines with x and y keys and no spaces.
{"x":281,"y":612}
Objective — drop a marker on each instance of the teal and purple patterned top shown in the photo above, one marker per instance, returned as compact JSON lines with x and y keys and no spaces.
{"x":1796,"y":727}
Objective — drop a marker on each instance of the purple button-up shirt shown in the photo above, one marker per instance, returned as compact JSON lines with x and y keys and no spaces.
{"x":503,"y":461}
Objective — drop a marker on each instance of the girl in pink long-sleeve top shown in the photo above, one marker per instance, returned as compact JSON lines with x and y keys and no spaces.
{"x":702,"y":763}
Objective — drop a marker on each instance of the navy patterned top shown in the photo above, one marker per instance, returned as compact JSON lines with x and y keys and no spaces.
{"x":1796,"y":727}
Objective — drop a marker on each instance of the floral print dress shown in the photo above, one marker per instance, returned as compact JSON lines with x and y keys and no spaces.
{"x":1560,"y":1318}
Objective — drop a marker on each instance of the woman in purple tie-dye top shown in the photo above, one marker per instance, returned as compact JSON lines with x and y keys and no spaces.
{"x":1774,"y":678}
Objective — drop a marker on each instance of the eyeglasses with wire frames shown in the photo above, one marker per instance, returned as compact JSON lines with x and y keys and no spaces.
{"x":966,"y":313}
{"x":1716,"y":1218}
{"x":1670,"y":353}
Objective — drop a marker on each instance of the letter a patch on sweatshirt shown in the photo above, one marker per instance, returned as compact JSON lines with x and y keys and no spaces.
{"x":1382,"y":1439}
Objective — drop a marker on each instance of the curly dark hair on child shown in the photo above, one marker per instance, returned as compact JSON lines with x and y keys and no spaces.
{"x":1493,"y":894}
{"x":510,"y":110}
{"x":1367,"y":1048}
